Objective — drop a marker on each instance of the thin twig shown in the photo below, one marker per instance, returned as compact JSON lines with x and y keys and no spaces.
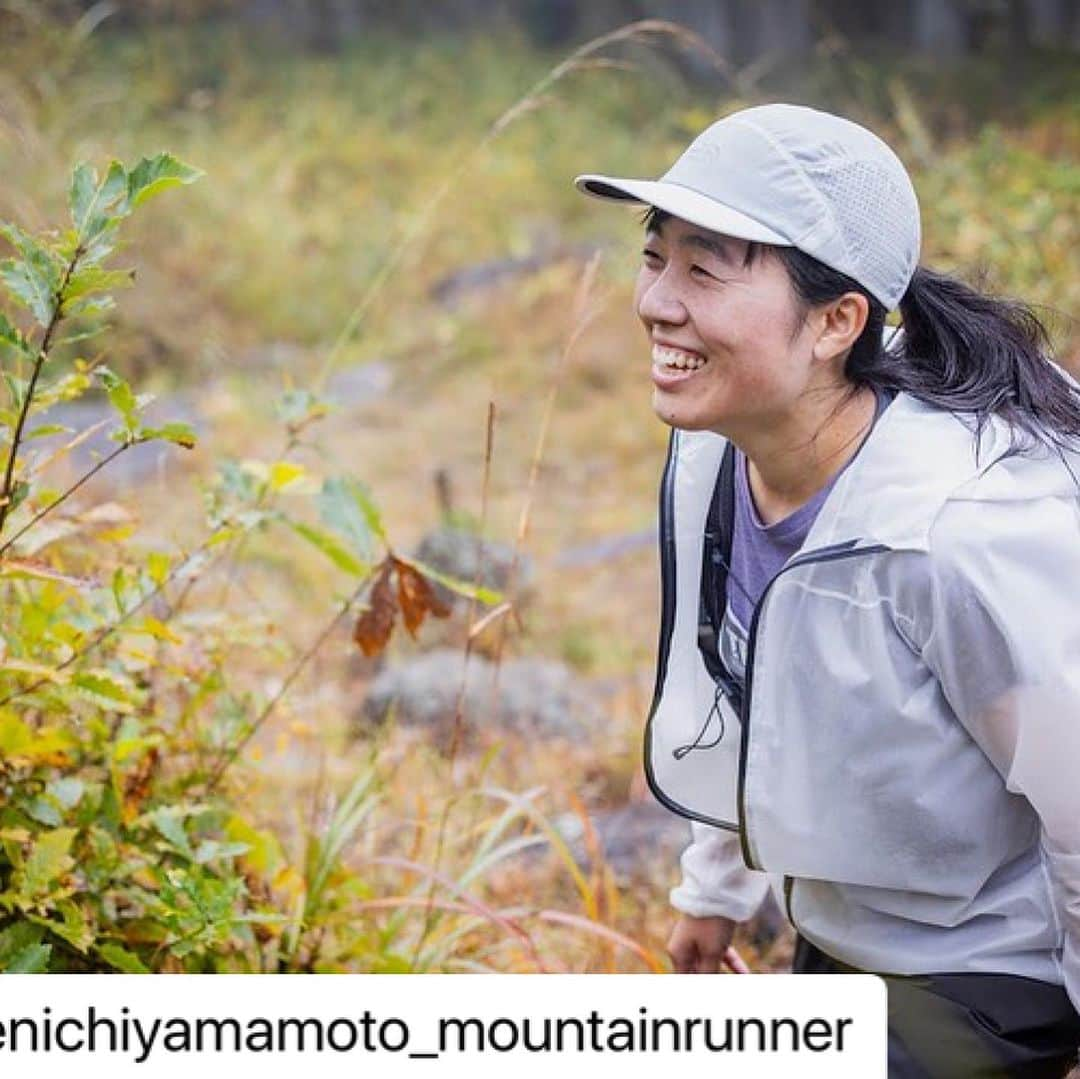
{"x":230,"y":755}
{"x":110,"y":629}
{"x":69,"y":492}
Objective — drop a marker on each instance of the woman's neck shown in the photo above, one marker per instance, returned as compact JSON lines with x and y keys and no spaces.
{"x":791,"y":460}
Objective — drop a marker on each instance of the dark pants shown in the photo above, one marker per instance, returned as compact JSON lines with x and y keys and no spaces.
{"x":968,"y":1026}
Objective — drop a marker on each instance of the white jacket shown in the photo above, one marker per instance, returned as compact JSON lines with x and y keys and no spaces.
{"x":906,"y":764}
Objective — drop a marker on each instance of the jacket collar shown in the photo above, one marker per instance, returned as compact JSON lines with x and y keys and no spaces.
{"x":915,"y":459}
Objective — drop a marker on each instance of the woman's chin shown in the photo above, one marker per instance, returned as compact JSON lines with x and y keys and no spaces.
{"x":676,"y":413}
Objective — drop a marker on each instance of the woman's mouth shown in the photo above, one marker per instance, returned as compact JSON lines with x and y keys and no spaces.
{"x":673,"y":365}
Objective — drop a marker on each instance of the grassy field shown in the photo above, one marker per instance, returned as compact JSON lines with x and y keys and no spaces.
{"x":341,"y":195}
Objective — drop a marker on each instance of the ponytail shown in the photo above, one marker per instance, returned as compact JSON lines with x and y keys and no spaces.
{"x":961,"y":350}
{"x":971,"y":352}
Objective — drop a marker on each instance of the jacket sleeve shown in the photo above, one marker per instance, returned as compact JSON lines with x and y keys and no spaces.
{"x":715,"y":879}
{"x":1004,"y":644}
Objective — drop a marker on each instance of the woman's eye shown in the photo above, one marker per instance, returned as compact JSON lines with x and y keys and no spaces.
{"x":702,"y":272}
{"x":650,"y":257}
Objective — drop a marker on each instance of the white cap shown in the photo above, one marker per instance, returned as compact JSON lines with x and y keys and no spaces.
{"x":797,"y":177}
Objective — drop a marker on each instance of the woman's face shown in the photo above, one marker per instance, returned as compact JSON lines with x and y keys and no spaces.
{"x":730,"y":352}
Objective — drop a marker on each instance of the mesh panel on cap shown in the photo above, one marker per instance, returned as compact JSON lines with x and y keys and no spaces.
{"x":867,"y":204}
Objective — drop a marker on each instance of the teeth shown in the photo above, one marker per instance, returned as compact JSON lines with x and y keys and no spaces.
{"x":673,"y":357}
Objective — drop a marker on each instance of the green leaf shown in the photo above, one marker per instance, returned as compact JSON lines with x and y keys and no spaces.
{"x":158,"y":564}
{"x":16,"y":389}
{"x":17,"y":942}
{"x":264,"y":853}
{"x":284,"y":473}
{"x":44,"y":812}
{"x":47,"y":860}
{"x":173,"y":830}
{"x":119,"y":588}
{"x":74,"y":929}
{"x":67,"y":791}
{"x":105,"y":689}
{"x":153,"y":175}
{"x":9,"y":335}
{"x":120,"y":396}
{"x":345,"y":506}
{"x":93,"y":279}
{"x":209,"y":849}
{"x":45,"y":430}
{"x":34,"y":959}
{"x":121,"y":959}
{"x":455,"y":584}
{"x":81,"y":193}
{"x":19,"y":493}
{"x":34,"y":278}
{"x":89,"y":306}
{"x":103,"y":242}
{"x":332,"y":548}
{"x":15,"y":734}
{"x":33,"y":284}
{"x":95,"y":214}
{"x":183,"y":434}
{"x":28,"y":247}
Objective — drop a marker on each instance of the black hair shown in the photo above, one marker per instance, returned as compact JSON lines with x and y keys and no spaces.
{"x":961,"y":349}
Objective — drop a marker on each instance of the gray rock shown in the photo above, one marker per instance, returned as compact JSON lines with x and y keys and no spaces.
{"x":272,"y":355}
{"x":454,"y":287}
{"x":359,"y":385}
{"x":536,"y":698}
{"x":633,"y":838}
{"x":461,"y":284}
{"x":605,"y":550}
{"x":460,"y":554}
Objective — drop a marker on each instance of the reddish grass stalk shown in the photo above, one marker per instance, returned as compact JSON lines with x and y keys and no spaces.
{"x":582,"y":316}
{"x":459,"y":706}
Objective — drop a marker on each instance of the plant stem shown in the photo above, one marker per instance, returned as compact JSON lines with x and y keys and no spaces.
{"x":231,"y":754}
{"x":112,"y":627}
{"x":582,"y":318}
{"x":39,"y":362}
{"x":459,"y":707}
{"x":67,"y":494}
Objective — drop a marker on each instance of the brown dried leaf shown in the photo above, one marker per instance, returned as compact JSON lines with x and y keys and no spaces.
{"x":374,"y":626}
{"x":137,"y":784}
{"x":417,"y":597}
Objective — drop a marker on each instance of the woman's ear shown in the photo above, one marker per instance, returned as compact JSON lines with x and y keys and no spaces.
{"x":839,"y":324}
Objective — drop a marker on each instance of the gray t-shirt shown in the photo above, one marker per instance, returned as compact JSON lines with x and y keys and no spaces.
{"x":758,"y":551}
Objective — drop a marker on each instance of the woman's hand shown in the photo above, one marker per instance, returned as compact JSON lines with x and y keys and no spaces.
{"x":703,"y":946}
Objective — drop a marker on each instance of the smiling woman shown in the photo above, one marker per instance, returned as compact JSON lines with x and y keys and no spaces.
{"x":868,"y":679}
{"x":733,"y":352}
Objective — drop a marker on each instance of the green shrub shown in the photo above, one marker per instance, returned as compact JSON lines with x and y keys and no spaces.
{"x":121,"y":847}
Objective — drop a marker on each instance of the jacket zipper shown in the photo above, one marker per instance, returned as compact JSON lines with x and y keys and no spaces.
{"x":847,"y":549}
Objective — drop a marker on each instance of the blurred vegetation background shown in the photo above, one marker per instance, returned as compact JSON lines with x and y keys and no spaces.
{"x":387,"y":219}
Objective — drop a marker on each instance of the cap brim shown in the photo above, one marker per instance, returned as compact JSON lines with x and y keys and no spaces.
{"x":683,"y":202}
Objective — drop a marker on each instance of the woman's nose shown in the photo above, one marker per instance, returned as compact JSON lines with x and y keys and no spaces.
{"x":657,"y":301}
